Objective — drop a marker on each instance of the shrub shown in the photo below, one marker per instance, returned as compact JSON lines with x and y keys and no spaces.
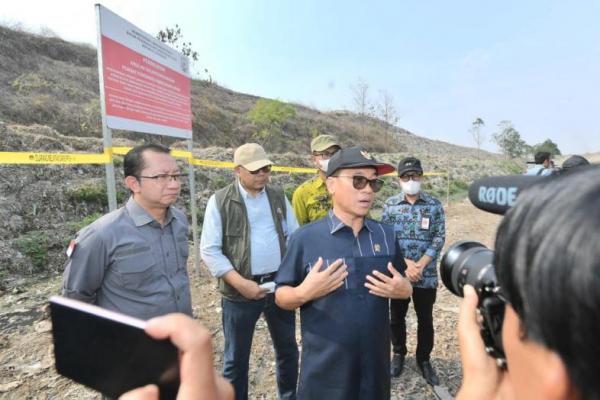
{"x":90,"y":193}
{"x":35,"y":246}
{"x":29,"y":82}
{"x":511,"y":167}
{"x":93,"y":193}
{"x":85,"y":221}
{"x":289,"y":189}
{"x":217,"y":183}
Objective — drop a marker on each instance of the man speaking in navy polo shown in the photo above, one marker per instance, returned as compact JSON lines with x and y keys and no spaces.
{"x":340,"y":271}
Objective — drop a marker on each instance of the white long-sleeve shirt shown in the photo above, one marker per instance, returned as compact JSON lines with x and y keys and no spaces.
{"x":265,"y":254}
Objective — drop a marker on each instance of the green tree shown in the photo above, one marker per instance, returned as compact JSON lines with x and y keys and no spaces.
{"x":549,"y":146}
{"x":478,"y":136}
{"x":270,"y":116}
{"x":509,"y":140}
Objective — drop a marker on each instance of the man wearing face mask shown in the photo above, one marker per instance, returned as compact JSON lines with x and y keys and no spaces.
{"x":311,"y":200}
{"x":419,"y":226}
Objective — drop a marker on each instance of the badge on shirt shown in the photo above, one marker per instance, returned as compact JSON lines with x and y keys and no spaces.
{"x":376,"y":248}
{"x":71,"y":248}
{"x":425,"y":223}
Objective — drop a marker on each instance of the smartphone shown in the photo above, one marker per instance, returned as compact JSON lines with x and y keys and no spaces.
{"x":110,"y":352}
{"x":270,"y":286}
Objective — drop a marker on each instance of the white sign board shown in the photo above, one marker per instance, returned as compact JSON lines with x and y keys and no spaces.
{"x":146,"y":83}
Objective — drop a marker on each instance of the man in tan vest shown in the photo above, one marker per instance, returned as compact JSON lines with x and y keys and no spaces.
{"x":246,"y":226}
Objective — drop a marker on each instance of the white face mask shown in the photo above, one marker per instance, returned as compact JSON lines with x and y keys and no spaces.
{"x":323,"y":165}
{"x":411,"y":187}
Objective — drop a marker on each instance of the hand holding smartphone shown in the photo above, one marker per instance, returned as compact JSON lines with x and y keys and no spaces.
{"x":109,"y":351}
{"x":270,"y":286}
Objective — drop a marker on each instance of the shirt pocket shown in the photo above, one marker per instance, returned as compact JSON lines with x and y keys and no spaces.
{"x":138,"y":272}
{"x":233,"y":243}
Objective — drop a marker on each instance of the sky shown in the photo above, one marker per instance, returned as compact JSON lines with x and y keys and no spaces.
{"x":445,"y":63}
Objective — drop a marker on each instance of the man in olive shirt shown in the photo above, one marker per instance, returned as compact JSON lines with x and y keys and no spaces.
{"x":133,"y":260}
{"x":311,"y":200}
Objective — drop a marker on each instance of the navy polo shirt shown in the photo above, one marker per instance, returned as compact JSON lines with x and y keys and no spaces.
{"x":345,"y":335}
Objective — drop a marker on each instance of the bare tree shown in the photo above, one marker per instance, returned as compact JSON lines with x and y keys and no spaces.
{"x":478,"y":136}
{"x":387,"y":113}
{"x":362,"y":104}
{"x":174,"y":37}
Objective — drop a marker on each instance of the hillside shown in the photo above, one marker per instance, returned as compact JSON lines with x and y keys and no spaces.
{"x":51,"y":82}
{"x":50,"y":103}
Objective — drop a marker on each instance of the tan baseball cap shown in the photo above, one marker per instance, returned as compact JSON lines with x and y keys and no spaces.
{"x":251,"y":156}
{"x":323,"y":142}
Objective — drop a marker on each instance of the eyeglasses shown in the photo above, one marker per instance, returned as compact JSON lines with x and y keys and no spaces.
{"x":326,"y":154}
{"x":414,"y":177}
{"x":359,"y":182}
{"x":265,"y":169}
{"x":163,"y":179}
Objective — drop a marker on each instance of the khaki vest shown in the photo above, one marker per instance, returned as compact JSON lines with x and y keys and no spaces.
{"x":236,"y":234}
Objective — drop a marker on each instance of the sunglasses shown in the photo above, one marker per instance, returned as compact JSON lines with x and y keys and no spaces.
{"x":360,"y":182}
{"x":265,"y":169}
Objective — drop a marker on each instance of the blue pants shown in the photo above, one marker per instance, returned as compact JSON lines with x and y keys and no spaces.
{"x":239,"y":321}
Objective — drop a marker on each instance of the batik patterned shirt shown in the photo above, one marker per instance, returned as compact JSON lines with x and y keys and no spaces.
{"x":419,"y":229}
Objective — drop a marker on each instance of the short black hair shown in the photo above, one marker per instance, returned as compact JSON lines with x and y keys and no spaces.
{"x":541,"y":156}
{"x":574,"y":161}
{"x":134,"y":163}
{"x":548,"y":264}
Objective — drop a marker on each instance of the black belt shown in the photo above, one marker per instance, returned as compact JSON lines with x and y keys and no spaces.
{"x":264,"y":278}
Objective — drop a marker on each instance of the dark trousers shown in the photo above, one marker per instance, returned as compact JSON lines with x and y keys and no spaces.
{"x":423,"y":300}
{"x":239,"y":321}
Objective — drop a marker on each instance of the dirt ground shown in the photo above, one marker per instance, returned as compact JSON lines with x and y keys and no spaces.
{"x":26,"y":354}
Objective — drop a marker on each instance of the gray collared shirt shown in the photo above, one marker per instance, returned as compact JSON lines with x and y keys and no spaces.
{"x":127,"y":262}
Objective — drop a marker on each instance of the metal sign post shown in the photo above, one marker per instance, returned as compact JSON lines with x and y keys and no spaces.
{"x":193,"y":207}
{"x":145,"y":86}
{"x":111,"y":189}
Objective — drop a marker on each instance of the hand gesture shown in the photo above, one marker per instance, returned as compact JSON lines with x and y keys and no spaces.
{"x":320,"y":283}
{"x":250,"y":290}
{"x":394,"y":287}
{"x":413,"y":271}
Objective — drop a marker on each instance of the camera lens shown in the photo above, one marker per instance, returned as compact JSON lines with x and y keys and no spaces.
{"x":467,"y":262}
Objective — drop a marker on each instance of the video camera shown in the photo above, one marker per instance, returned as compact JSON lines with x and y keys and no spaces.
{"x":468,"y":262}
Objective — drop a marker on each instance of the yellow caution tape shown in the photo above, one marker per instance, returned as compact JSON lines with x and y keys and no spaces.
{"x":212,"y":163}
{"x":294,"y":170}
{"x":120,"y":150}
{"x":175,"y":153}
{"x":435,"y":174}
{"x":106,"y":157}
{"x":181,"y":154}
{"x":53,"y":158}
{"x":424,"y":174}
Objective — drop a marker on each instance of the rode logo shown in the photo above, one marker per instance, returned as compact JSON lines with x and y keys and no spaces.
{"x":503,"y":196}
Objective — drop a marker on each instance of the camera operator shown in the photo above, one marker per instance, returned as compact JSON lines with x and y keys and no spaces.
{"x":547,"y":261}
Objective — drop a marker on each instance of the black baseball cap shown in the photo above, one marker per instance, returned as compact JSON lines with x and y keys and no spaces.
{"x":356,"y":157}
{"x":409,"y":164}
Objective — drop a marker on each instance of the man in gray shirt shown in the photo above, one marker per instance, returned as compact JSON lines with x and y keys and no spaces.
{"x":133,"y":260}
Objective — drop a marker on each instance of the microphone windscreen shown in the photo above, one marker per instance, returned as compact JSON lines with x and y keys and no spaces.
{"x":497,"y":194}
